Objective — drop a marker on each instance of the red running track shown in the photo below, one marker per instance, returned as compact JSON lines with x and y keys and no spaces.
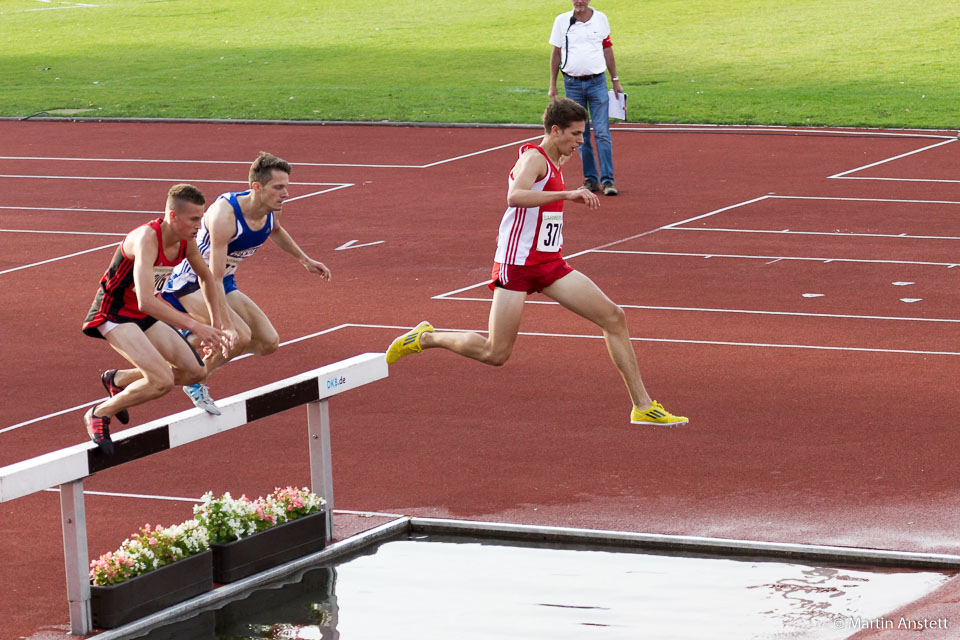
{"x":767,"y":300}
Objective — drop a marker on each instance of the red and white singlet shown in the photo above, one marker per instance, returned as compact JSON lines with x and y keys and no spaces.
{"x":533,"y":235}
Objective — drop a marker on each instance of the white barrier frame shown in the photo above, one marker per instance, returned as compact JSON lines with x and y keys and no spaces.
{"x":68,"y":467}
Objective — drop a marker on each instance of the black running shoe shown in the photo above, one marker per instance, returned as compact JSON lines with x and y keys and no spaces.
{"x":99,"y":431}
{"x":112,"y":389}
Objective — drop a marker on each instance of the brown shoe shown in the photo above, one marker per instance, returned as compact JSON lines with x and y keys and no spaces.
{"x":609,"y":189}
{"x":590,"y":185}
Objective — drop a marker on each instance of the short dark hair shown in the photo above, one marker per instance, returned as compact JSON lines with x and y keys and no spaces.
{"x":181,"y":193}
{"x":263,"y":167}
{"x":562,"y":112}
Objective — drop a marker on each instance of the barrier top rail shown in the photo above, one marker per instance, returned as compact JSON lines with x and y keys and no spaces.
{"x":79,"y":461}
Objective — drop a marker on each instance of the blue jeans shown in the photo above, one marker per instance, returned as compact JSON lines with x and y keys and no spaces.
{"x":592,"y":94}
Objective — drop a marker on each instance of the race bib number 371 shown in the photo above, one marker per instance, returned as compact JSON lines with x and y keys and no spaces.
{"x":550,"y":237}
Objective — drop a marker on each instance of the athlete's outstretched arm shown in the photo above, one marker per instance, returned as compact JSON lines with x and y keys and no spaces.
{"x":286,"y":242}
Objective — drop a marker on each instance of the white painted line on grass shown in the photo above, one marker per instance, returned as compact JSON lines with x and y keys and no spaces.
{"x":75,"y":6}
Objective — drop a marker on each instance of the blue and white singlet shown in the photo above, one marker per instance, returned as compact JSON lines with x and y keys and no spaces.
{"x":242,"y":245}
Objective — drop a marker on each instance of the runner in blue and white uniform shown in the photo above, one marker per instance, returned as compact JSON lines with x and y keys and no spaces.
{"x":234,"y":227}
{"x":243,"y":244}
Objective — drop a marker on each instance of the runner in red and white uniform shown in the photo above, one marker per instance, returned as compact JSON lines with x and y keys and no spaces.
{"x":528,"y":260}
{"x":531,"y":235}
{"x":127,"y":313}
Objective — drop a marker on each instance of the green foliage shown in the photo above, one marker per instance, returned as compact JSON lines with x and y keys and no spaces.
{"x":842,"y":62}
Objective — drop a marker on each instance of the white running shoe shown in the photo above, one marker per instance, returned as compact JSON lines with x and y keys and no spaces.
{"x":200,"y":395}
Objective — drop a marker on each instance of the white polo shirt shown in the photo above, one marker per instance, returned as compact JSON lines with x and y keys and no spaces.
{"x":585,"y":41}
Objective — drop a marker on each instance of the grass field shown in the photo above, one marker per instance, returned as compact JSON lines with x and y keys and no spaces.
{"x":816,"y":62}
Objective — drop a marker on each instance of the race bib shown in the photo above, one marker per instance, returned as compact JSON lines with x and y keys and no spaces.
{"x":160,"y":277}
{"x":550,"y":238}
{"x":234,"y":258}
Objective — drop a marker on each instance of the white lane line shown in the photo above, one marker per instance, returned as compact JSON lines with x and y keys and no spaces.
{"x":758,"y":312}
{"x":725,"y":343}
{"x":848,"y":199}
{"x":126,"y":179}
{"x":79,"y":209}
{"x":704,"y":215}
{"x":137,"y":496}
{"x":71,"y":255}
{"x":99,"y":400}
{"x":526,"y":333}
{"x":144,"y":496}
{"x":337,"y":187}
{"x":897,"y":179}
{"x":477,"y":153}
{"x":721,"y":128}
{"x":443,"y":296}
{"x":675,"y":226}
{"x":774,"y":258}
{"x":897,"y":157}
{"x":69,"y":233}
{"x":817,"y":233}
{"x":296,"y":164}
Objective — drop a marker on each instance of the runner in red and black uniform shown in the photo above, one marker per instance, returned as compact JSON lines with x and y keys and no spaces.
{"x":127,"y":313}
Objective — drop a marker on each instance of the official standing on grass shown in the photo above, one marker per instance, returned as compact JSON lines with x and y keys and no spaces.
{"x":583,"y":52}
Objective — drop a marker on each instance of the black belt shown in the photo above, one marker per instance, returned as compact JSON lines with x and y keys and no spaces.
{"x":583,"y":78}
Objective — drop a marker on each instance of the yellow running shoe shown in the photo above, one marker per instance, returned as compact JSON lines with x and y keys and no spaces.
{"x":408,"y":343}
{"x":656,"y":415}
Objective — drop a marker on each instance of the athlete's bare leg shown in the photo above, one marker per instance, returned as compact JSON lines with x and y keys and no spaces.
{"x":495,"y":349}
{"x":162,"y":360}
{"x":579,"y":294}
{"x":264,"y":339}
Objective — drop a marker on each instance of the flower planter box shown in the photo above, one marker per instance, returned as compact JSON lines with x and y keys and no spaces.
{"x":269,"y":548}
{"x":137,"y":597}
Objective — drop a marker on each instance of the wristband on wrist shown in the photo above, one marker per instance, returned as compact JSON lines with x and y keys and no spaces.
{"x":615,"y":78}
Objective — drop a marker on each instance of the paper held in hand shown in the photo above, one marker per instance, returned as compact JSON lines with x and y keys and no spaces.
{"x":618,"y":105}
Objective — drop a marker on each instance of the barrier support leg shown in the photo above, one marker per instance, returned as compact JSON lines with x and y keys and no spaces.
{"x":77,"y":556}
{"x":321,"y":467}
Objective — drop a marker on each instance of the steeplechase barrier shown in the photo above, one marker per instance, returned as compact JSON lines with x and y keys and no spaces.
{"x":68,"y":467}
